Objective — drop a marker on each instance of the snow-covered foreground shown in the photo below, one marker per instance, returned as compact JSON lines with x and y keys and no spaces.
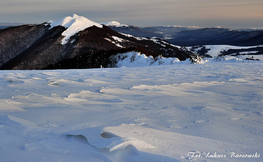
{"x":179,"y":112}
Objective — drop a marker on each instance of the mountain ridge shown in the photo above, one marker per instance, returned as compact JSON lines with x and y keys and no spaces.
{"x":185,"y":36}
{"x":70,"y":37}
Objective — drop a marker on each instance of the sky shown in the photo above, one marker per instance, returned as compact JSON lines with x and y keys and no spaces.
{"x":203,"y":13}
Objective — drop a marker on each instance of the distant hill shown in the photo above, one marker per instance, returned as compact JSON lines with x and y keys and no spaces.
{"x":7,"y":25}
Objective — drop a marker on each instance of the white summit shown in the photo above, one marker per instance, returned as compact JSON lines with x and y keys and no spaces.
{"x":114,"y":23}
{"x":73,"y":24}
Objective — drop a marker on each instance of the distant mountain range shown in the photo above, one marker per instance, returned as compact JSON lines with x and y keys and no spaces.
{"x":192,"y":36}
{"x":208,"y":42}
{"x":76,"y":40}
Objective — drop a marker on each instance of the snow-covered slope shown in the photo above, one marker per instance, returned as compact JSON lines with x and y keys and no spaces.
{"x":73,"y":24}
{"x":136,"y":59}
{"x":180,"y":112}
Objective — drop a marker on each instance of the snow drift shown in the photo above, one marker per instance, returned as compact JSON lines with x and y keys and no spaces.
{"x":179,"y":112}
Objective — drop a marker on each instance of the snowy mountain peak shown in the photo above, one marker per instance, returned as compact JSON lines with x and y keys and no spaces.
{"x":74,"y":20}
{"x":75,"y":16}
{"x":73,"y":24}
{"x":114,"y":23}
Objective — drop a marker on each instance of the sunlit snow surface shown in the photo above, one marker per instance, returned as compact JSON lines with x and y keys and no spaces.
{"x":155,"y":113}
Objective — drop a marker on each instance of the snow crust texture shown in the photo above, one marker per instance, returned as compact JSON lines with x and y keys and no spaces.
{"x":180,"y":112}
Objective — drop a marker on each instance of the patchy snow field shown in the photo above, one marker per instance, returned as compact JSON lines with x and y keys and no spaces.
{"x":215,"y":50}
{"x":168,"y":113}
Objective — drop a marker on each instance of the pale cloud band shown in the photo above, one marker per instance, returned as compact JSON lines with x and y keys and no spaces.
{"x":228,"y":13}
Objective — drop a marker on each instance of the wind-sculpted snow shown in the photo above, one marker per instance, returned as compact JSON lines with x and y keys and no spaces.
{"x":179,"y":112}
